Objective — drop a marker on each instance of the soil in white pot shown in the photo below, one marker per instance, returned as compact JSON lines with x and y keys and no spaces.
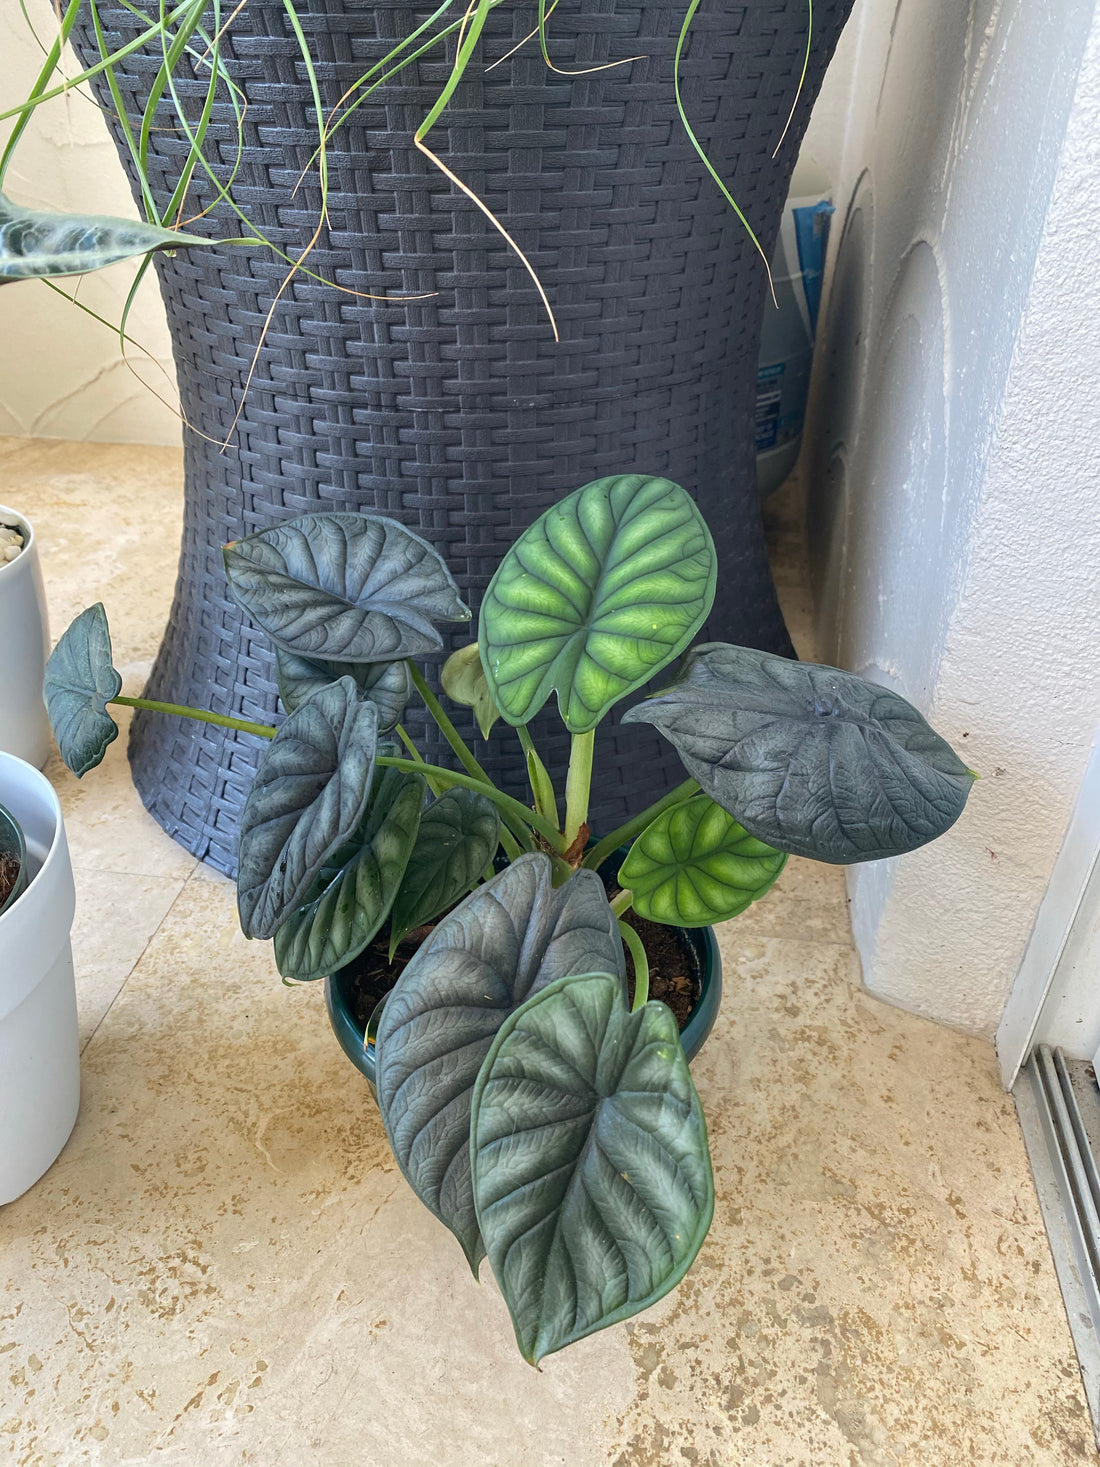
{"x":11,"y":542}
{"x":9,"y":875}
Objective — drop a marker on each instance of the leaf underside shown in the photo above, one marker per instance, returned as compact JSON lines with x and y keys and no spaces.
{"x":344,"y":587}
{"x":353,"y":892}
{"x":80,"y":680}
{"x":695,"y":865}
{"x":306,"y":800}
{"x":602,"y":591}
{"x":388,"y":685}
{"x":507,"y":940}
{"x":37,"y":244}
{"x":458,"y":837}
{"x":809,"y":759}
{"x":591,"y":1171}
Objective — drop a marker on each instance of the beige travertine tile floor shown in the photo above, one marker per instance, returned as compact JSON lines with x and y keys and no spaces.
{"x":225,"y":1266}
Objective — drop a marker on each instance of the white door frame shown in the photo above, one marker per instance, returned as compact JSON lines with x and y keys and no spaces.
{"x":1069,"y":880}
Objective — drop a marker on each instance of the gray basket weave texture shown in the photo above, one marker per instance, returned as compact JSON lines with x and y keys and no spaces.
{"x":459,"y":414}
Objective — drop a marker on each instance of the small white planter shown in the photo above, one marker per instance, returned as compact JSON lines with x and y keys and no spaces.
{"x":39,"y":1048}
{"x":24,"y":647}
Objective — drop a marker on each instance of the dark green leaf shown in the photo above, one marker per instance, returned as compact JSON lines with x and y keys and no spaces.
{"x":458,"y":838}
{"x":809,"y":759}
{"x":388,"y":685}
{"x":463,"y":679}
{"x":36,"y":244}
{"x":80,"y":680}
{"x":591,"y":1171}
{"x":355,"y":889}
{"x":344,"y":587}
{"x":507,"y":940}
{"x":603,"y":590}
{"x":306,"y":800}
{"x":695,"y":865}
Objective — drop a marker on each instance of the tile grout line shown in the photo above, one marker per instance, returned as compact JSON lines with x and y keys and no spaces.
{"x":148,"y":943}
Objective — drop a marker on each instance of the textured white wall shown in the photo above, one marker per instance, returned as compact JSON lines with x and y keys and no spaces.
{"x":954,"y":521}
{"x":62,"y":374}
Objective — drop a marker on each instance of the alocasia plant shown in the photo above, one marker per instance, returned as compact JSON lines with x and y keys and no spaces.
{"x":550,"y":1126}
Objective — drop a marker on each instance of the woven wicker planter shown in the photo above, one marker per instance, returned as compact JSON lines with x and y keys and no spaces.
{"x":460,"y":414}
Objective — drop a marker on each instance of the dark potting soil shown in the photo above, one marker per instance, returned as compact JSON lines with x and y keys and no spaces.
{"x":9,"y":875}
{"x":675,"y":972}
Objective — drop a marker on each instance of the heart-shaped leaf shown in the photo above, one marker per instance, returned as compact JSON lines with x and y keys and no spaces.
{"x":388,"y":685}
{"x":695,"y":865}
{"x":463,"y":679}
{"x":591,"y":1171}
{"x":36,"y":244}
{"x":80,"y":680}
{"x":344,"y":587}
{"x":356,"y":887}
{"x":603,"y":590}
{"x":507,"y":940}
{"x":458,"y":837}
{"x":809,"y":759}
{"x":306,"y":800}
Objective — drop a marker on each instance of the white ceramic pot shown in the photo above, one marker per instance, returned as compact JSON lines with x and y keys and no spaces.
{"x":39,"y":1049}
{"x":24,"y":647}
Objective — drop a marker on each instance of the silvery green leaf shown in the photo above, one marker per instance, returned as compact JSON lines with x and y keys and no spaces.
{"x":80,"y":681}
{"x":591,"y":1172}
{"x":809,"y":759}
{"x":600,"y":593}
{"x":308,"y":797}
{"x":463,"y":680}
{"x":507,"y":940}
{"x":355,"y":888}
{"x":458,"y":837}
{"x":388,"y":685}
{"x":36,"y":244}
{"x":344,"y":587}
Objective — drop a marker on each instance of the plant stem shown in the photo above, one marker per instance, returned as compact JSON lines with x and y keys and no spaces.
{"x":414,"y":753}
{"x":508,"y":806}
{"x":461,"y":749}
{"x":578,"y":784}
{"x":641,"y":964}
{"x":264,"y":730}
{"x":622,"y":903}
{"x":610,"y":843}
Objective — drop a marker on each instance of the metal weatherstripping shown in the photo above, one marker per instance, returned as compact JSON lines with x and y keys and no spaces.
{"x":1056,"y":1117}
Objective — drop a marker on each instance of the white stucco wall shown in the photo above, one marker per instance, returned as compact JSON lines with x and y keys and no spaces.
{"x":62,"y":374}
{"x":953,"y":522}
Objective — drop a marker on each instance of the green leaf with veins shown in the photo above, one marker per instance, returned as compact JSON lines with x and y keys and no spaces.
{"x":591,"y":1172}
{"x":306,"y":800}
{"x":353,"y":892}
{"x":507,"y":940}
{"x":80,"y":681}
{"x":388,"y":685}
{"x":458,"y":837}
{"x":603,"y":590}
{"x":344,"y":587}
{"x":808,"y":758}
{"x":36,"y":244}
{"x":695,"y":865}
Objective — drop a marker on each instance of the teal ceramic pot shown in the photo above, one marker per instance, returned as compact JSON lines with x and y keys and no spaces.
{"x":12,"y":844}
{"x":701,"y":943}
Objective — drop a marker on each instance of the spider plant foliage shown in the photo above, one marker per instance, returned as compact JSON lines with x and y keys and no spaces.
{"x":552,"y":1126}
